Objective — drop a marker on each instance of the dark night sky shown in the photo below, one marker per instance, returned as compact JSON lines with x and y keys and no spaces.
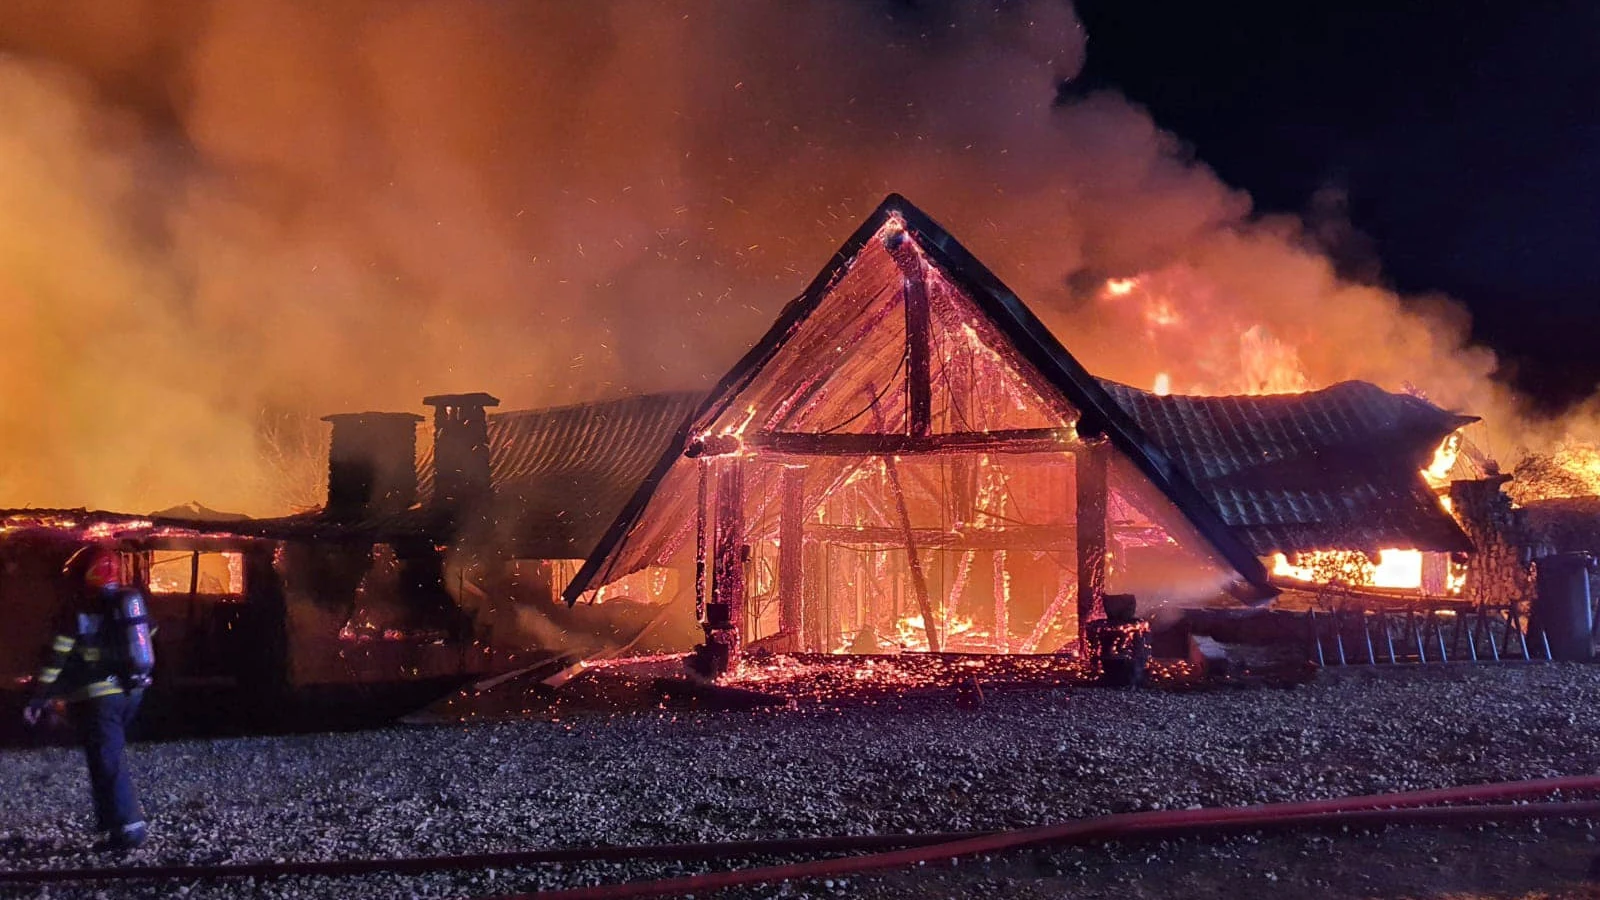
{"x":1464,"y":136}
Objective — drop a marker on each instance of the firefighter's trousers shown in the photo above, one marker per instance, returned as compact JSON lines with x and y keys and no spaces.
{"x":103,"y":727}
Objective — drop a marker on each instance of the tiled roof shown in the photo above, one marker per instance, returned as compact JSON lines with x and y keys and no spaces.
{"x":1329,"y":469}
{"x":1335,"y":468}
{"x":561,"y":475}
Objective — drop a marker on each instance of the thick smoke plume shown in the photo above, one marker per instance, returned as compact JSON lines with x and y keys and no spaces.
{"x":219,"y":216}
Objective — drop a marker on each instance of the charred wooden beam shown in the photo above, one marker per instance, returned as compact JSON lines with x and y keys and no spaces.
{"x":701,"y":541}
{"x":1002,"y":603}
{"x":914,"y":291}
{"x":712,"y":445}
{"x":1092,"y":500}
{"x":813,"y":618}
{"x":201,"y":542}
{"x":791,"y":540}
{"x":919,"y":581}
{"x":1026,"y":537}
{"x":727,"y":586}
{"x":1015,"y":440}
{"x":919,"y":389}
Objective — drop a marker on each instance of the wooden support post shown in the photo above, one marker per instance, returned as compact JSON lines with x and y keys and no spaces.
{"x":791,"y":561}
{"x":958,"y":584}
{"x":1092,"y":499}
{"x":919,"y":391}
{"x":1002,"y":603}
{"x":192,"y":632}
{"x":702,"y":539}
{"x":727,"y":586}
{"x":813,"y":618}
{"x":919,"y":580}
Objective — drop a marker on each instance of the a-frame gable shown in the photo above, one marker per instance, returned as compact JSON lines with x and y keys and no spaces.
{"x":832,"y":370}
{"x":1100,"y":413}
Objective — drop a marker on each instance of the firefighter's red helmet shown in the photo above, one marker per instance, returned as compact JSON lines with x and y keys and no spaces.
{"x":104,"y":569}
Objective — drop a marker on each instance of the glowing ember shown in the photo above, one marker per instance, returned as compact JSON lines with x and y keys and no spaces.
{"x":368,"y":632}
{"x":835,"y":678}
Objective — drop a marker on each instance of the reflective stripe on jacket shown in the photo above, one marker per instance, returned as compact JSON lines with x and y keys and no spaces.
{"x":72,"y":672}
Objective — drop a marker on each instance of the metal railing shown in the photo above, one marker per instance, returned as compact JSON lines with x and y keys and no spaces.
{"x":1396,"y":635}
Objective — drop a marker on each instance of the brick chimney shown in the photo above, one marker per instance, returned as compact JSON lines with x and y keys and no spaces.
{"x":460,"y":450}
{"x":372,"y":463}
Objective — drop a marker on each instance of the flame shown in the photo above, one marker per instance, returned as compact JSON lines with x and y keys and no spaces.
{"x":1444,"y":459}
{"x":1223,"y":353}
{"x":1398,"y":569}
{"x":1269,"y":365}
{"x":738,"y":431}
{"x":1572,"y":470}
{"x":652,"y":584}
{"x":1162,"y":314}
{"x":1163,"y":384}
{"x":1394,"y":568}
{"x":957,"y":634}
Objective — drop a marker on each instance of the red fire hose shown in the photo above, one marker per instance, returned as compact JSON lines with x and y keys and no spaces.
{"x":1374,"y":808}
{"x":1371,"y":809}
{"x":1104,"y":828}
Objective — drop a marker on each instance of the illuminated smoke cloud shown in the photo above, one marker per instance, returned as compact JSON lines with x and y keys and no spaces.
{"x":223,"y":216}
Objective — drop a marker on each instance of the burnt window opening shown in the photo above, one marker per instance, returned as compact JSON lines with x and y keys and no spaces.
{"x":218,"y":574}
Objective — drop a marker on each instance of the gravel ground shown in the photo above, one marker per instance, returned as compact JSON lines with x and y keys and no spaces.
{"x":1023,"y":757}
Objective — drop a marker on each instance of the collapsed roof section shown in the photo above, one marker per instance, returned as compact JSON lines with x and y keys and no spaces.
{"x":190,"y":525}
{"x":905,"y":348}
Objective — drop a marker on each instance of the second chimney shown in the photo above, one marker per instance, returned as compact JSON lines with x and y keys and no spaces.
{"x":460,"y":449}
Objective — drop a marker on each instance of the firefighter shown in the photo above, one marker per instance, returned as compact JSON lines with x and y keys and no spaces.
{"x":99,"y":665}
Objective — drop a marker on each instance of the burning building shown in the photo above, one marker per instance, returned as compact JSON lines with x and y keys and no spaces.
{"x":909,"y":459}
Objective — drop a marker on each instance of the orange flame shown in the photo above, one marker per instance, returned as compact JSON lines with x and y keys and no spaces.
{"x":1394,"y":568}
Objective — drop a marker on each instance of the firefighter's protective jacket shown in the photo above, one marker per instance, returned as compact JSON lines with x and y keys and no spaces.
{"x":76,"y":667}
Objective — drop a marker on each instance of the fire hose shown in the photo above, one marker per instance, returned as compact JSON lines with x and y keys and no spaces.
{"x":1374,"y":809}
{"x":1111,"y":827}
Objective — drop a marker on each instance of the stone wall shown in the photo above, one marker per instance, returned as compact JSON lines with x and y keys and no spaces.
{"x":1498,"y":573}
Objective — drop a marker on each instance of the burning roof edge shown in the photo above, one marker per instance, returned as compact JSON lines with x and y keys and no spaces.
{"x":108,"y":525}
{"x":1100,"y":414}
